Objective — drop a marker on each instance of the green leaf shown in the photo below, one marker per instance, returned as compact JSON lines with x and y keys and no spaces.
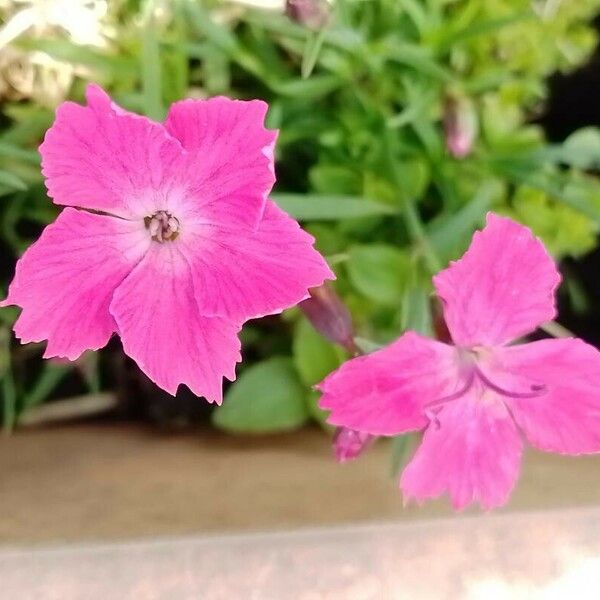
{"x":416,"y":57}
{"x":15,"y":152}
{"x":582,"y":149}
{"x":579,"y":192}
{"x":308,"y":89}
{"x":314,"y":357}
{"x":481,"y":28}
{"x":401,"y":448}
{"x":51,"y":376}
{"x":312,"y":48}
{"x":214,"y":32}
{"x":317,"y":413}
{"x":11,"y":182}
{"x":564,"y":230}
{"x":7,"y":383}
{"x":367,"y":346}
{"x":379,"y":272}
{"x":150,"y":64}
{"x":268,"y":397}
{"x":416,"y":312}
{"x":116,"y":66}
{"x":315,"y":207}
{"x":451,"y":233}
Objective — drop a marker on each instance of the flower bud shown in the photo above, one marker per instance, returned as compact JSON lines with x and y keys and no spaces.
{"x":313,"y":14}
{"x":460,"y":125}
{"x":349,"y":444}
{"x":330,"y":316}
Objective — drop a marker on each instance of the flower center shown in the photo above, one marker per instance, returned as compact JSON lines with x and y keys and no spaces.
{"x":162,"y":226}
{"x":473,"y":374}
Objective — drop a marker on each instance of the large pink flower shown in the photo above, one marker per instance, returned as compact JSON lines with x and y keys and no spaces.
{"x":478,"y":398}
{"x":168,"y":239}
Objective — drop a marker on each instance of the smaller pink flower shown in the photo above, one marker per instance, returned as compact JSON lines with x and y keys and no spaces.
{"x":478,"y":399}
{"x":167,"y":239}
{"x":330,"y":316}
{"x":349,"y":444}
{"x":460,"y":126}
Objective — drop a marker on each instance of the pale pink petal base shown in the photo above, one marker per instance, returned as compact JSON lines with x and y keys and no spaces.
{"x":232,"y":156}
{"x":566,"y":418}
{"x":65,"y":281}
{"x":472,"y":452}
{"x":502,"y":288}
{"x":162,"y":330}
{"x":385,"y":393}
{"x":243,"y":274}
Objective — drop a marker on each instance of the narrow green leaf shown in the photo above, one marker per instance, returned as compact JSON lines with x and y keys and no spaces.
{"x":15,"y":152}
{"x":582,"y":194}
{"x":417,"y":13}
{"x":316,"y":207}
{"x":416,"y":312}
{"x":150,"y":65}
{"x":108,"y":65}
{"x":480,"y":28}
{"x":451,"y":232}
{"x":308,"y":89}
{"x":214,"y":32}
{"x":401,"y":447}
{"x":51,"y":376}
{"x":7,"y":383}
{"x":313,"y":46}
{"x":11,"y":181}
{"x":267,"y":397}
{"x":418,"y":58}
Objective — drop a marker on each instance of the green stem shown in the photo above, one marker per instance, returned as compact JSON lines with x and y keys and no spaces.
{"x":51,"y":376}
{"x":556,"y":330}
{"x":418,"y":235}
{"x":314,"y":42}
{"x":415,"y":227}
{"x":9,"y":394}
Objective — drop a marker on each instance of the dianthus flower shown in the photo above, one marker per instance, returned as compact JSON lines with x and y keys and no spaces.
{"x":477,"y":399}
{"x":167,"y":239}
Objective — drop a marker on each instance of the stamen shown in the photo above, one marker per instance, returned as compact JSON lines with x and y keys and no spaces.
{"x":537,"y":389}
{"x":471,"y":372}
{"x":162,"y":226}
{"x":455,"y":395}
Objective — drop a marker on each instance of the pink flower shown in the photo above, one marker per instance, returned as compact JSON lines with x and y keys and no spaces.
{"x":349,"y":444}
{"x":477,"y":399}
{"x":168,"y":239}
{"x":460,"y":126}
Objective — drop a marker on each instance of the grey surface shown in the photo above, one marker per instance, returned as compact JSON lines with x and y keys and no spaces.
{"x":538,"y":555}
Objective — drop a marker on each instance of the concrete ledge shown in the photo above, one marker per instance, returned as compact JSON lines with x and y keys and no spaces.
{"x":541,"y":555}
{"x":97,"y":482}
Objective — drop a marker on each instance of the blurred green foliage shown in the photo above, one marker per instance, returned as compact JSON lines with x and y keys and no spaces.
{"x":361,"y":159}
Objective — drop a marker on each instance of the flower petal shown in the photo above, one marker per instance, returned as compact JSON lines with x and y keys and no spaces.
{"x":101,"y":157}
{"x":233,"y":155}
{"x":472,"y":452}
{"x":65,"y":281}
{"x":564,"y":418}
{"x":242,"y":274}
{"x":163,"y":332}
{"x":386,"y":392}
{"x":502,"y":288}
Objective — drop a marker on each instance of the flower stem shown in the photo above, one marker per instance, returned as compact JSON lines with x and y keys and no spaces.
{"x":412,"y":219}
{"x":556,"y":330}
{"x":418,"y":235}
